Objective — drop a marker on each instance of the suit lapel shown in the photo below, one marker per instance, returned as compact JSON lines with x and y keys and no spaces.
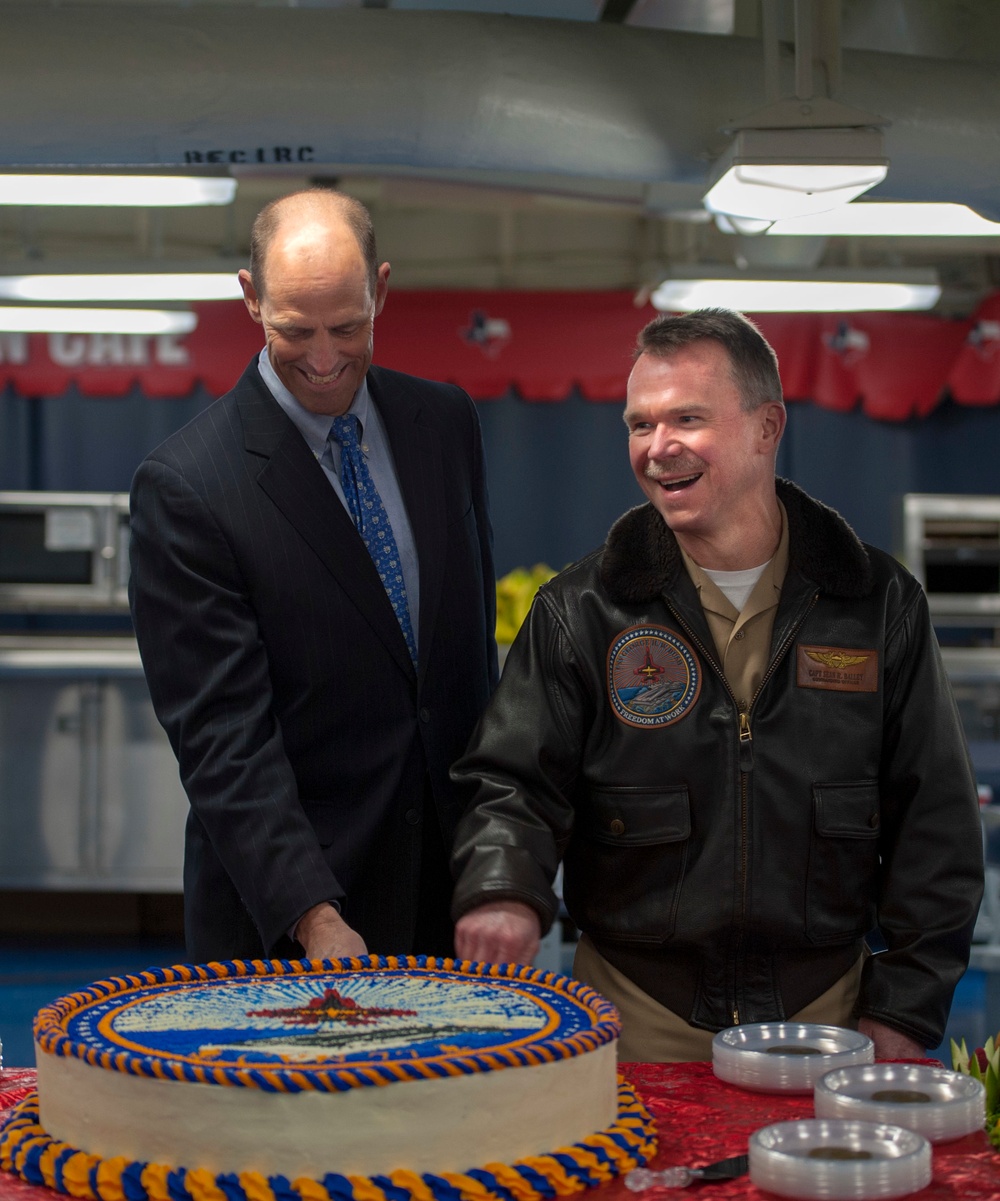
{"x":417,"y":455}
{"x":295,"y":483}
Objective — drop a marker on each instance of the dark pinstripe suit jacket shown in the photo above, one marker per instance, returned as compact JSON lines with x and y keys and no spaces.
{"x":277,"y":667}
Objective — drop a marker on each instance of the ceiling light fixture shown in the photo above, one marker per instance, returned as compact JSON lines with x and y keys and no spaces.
{"x":689,"y":288}
{"x":199,"y":285}
{"x":886,"y":219}
{"x":152,"y":191}
{"x":802,"y":153}
{"x":775,"y":174}
{"x":43,"y":320}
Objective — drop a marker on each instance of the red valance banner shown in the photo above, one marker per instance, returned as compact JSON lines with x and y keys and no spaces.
{"x":543,"y":345}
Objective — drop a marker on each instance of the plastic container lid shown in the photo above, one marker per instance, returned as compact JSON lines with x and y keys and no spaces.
{"x":936,"y":1103}
{"x":827,"y":1158}
{"x":786,"y":1057}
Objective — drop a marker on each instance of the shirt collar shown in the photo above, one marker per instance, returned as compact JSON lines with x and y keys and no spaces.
{"x":765,"y":592}
{"x":314,"y":427}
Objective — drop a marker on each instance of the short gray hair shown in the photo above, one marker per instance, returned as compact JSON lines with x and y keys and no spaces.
{"x":753,"y":363}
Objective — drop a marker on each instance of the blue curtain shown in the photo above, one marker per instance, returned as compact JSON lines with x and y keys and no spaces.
{"x":558,"y":473}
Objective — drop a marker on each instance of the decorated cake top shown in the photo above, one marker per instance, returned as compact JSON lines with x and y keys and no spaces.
{"x":290,"y":1026}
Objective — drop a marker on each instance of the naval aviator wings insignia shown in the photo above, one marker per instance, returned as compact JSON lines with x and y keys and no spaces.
{"x":836,"y":659}
{"x":837,"y":668}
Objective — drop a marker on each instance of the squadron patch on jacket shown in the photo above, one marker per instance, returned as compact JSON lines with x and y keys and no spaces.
{"x":653,"y":676}
{"x":836,"y":668}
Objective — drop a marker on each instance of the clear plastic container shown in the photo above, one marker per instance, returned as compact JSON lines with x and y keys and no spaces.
{"x":777,"y":1057}
{"x":827,"y":1158}
{"x":939,"y":1104}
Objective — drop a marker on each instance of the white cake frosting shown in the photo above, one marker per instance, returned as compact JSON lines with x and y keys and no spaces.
{"x":429,"y":1126}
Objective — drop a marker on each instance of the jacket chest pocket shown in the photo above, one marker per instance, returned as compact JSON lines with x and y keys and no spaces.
{"x":843,"y":861}
{"x":625,"y":864}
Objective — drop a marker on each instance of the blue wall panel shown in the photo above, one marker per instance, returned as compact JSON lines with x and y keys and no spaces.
{"x":960,"y":452}
{"x":558,"y":473}
{"x":558,"y":477}
{"x":858,"y":466}
{"x":92,"y":444}
{"x":15,"y":441}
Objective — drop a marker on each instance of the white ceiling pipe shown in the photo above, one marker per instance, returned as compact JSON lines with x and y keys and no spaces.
{"x":115,"y":85}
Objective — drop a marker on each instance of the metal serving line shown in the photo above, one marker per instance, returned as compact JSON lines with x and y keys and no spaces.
{"x":90,"y":798}
{"x":952,"y":545}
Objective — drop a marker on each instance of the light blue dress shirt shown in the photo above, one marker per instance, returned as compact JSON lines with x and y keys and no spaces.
{"x":315,"y":429}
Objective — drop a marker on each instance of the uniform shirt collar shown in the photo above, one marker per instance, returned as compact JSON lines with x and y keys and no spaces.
{"x":765,"y":592}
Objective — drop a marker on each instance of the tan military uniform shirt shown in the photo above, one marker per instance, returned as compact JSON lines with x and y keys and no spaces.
{"x":743,"y":640}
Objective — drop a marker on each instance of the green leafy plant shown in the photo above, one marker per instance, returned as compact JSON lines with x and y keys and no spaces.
{"x":983,"y":1064}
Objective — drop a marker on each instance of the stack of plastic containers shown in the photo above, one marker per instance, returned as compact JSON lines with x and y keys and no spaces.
{"x":874,"y":1123}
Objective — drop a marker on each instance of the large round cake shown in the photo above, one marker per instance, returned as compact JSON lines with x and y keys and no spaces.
{"x":371,"y":1079}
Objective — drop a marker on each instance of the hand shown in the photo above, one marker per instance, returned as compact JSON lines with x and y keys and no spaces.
{"x":325,"y":935}
{"x":889,"y":1043}
{"x":499,"y":932}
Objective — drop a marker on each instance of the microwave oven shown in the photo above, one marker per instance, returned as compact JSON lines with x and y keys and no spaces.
{"x":63,"y":551}
{"x":952,"y":546}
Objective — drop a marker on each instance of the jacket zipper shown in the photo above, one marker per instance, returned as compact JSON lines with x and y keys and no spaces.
{"x":745,"y":750}
{"x":778,"y":656}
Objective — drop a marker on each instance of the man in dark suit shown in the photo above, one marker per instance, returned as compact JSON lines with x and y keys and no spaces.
{"x":314,"y":707}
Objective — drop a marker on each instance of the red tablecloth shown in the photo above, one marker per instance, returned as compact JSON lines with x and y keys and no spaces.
{"x":699,"y":1119}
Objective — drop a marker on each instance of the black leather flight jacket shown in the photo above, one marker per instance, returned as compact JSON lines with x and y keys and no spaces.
{"x":732,"y":865}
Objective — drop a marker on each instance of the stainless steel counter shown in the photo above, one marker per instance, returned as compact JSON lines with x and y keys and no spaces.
{"x":89,"y":793}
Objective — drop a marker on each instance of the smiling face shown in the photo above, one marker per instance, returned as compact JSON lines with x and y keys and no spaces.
{"x":706,"y":463}
{"x":316,"y":310}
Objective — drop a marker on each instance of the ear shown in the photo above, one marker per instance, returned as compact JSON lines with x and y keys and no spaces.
{"x":250,"y":298}
{"x":772,"y":426}
{"x":381,"y":287}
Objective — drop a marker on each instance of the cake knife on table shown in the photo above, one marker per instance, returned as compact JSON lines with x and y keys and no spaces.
{"x":723,"y":1169}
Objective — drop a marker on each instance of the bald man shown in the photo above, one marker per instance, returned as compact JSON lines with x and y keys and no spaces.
{"x":313,"y":595}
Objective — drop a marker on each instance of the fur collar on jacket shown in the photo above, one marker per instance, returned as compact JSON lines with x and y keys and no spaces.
{"x":641,"y":557}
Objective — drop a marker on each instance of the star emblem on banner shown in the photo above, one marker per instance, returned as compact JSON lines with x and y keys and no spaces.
{"x":848,"y":343}
{"x":490,"y":334}
{"x":984,"y":338}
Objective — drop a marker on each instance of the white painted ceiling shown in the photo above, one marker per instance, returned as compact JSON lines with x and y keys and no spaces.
{"x":517,"y":144}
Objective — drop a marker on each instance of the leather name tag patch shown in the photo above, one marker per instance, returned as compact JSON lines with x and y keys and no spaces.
{"x":836,"y":668}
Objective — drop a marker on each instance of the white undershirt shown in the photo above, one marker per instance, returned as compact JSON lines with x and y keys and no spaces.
{"x":736,"y":586}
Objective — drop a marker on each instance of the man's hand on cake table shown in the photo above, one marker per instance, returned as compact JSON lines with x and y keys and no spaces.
{"x":889,"y":1043}
{"x":499,"y":932}
{"x":325,"y":935}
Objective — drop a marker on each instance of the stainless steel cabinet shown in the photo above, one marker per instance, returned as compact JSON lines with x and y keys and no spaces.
{"x":89,"y":792}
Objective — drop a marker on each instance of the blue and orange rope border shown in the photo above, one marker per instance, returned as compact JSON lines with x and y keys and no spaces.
{"x":37,"y":1158}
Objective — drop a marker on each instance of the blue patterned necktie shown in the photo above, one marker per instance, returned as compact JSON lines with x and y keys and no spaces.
{"x":369,"y":515}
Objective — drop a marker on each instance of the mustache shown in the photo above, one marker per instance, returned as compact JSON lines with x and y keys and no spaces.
{"x":657,"y":471}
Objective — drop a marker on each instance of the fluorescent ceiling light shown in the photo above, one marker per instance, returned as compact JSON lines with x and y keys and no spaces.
{"x":154,"y":191}
{"x":202,"y":285}
{"x":37,"y":320}
{"x":774,"y":174}
{"x":888,"y":219}
{"x":787,"y":292}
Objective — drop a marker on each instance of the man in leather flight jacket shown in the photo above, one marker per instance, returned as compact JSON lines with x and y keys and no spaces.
{"x":733,"y":726}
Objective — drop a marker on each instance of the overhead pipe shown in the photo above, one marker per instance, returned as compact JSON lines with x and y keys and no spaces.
{"x":301,"y":89}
